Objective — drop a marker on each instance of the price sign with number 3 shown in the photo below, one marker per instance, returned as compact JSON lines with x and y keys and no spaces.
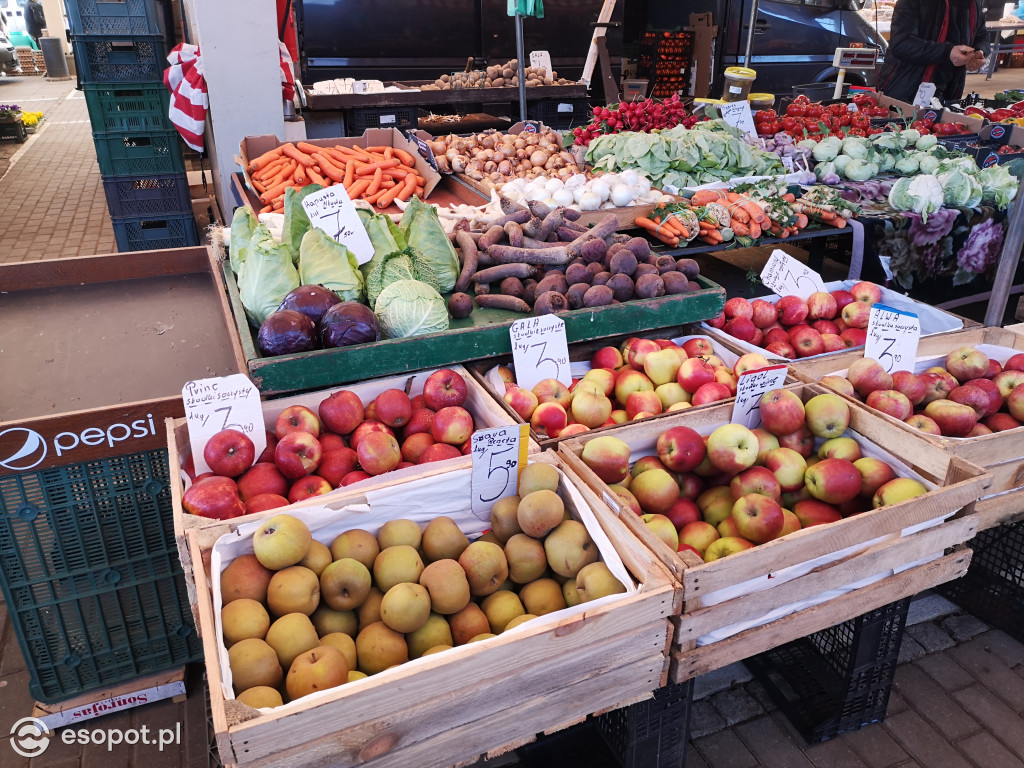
{"x":499,"y":455}
{"x":787,"y":276}
{"x":227,"y":402}
{"x":540,"y":350}
{"x":892,"y":338}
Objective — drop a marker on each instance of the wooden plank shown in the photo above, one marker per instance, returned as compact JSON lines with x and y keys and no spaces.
{"x":689,"y":664}
{"x":59,"y":273}
{"x":999,"y":510}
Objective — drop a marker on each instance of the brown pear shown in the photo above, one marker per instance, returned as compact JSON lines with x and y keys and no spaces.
{"x":491,"y":538}
{"x":318,"y":557}
{"x":500,"y":608}
{"x":261,"y":696}
{"x":447,"y":584}
{"x":436,"y":649}
{"x":485,"y":566}
{"x":569,"y":593}
{"x":291,"y":635}
{"x":504,"y":520}
{"x":468,"y":623}
{"x":481,"y":636}
{"x":434,"y":632}
{"x":537,"y":476}
{"x":345,"y":583}
{"x":315,"y":670}
{"x":369,"y":611}
{"x":379,"y":647}
{"x":395,"y":565}
{"x":526,"y":558}
{"x":327,"y":621}
{"x":442,"y":539}
{"x":294,"y":589}
{"x":542,"y":596}
{"x":405,"y":607}
{"x":246,"y":577}
{"x":401,"y":531}
{"x":244,"y":618}
{"x":253,"y":662}
{"x":519,"y":620}
{"x":540,"y":512}
{"x":358,"y":544}
{"x":569,"y":548}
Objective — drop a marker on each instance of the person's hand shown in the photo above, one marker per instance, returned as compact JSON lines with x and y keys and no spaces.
{"x":960,"y":55}
{"x":976,"y":61}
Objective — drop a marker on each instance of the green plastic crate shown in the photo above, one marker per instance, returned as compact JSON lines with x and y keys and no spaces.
{"x":128,"y":107}
{"x":143,"y":153}
{"x":90,"y":573}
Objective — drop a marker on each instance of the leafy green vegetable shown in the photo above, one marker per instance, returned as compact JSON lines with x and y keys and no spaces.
{"x":401,"y":265}
{"x":296,"y":222}
{"x":409,"y":308}
{"x":827,"y":149}
{"x":265,"y":277}
{"x":324,"y":261}
{"x":998,"y":185}
{"x":425,"y":235}
{"x":243,"y":224}
{"x":384,"y":236}
{"x":922,"y":194}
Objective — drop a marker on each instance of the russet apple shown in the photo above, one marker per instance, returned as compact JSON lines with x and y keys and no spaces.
{"x":910,"y":384}
{"x":874,"y":473}
{"x":281,"y":541}
{"x":891,"y":402}
{"x":444,"y":388}
{"x":812,"y":512}
{"x":732,"y":448}
{"x":833,"y":481}
{"x":965,"y":363}
{"x":297,"y":418}
{"x":895,"y":491}
{"x":758,"y":518}
{"x":681,"y":448}
{"x":867,"y":375}
{"x":828,"y":415}
{"x":214,"y":497}
{"x":954,"y":419}
{"x":792,"y":310}
{"x":725,"y":546}
{"x":782,"y":411}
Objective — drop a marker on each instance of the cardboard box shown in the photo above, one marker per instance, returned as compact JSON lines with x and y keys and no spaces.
{"x":991,"y":138}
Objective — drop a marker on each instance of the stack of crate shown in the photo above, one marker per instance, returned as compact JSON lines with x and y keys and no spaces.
{"x":28,"y":61}
{"x":120,"y":54}
{"x":666,"y":59}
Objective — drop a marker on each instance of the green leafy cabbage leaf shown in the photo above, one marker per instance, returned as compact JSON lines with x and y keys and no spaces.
{"x":384,"y":236}
{"x":401,"y":265}
{"x":425,"y":235}
{"x":296,"y":222}
{"x":324,"y":261}
{"x":265,"y":277}
{"x":409,"y":308}
{"x":243,"y":224}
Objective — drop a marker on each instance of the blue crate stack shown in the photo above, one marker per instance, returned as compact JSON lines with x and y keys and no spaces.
{"x":120,"y":54}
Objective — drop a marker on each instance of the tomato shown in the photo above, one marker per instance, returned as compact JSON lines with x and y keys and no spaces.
{"x":924,"y":126}
{"x":860,"y":121}
{"x":789,"y":123}
{"x":858,"y":132}
{"x":815,"y":110}
{"x":837,"y":109}
{"x":764,"y":115}
{"x":999,"y":114}
{"x":796,"y":110}
{"x":844,"y":119}
{"x":801,"y":99}
{"x":1009,"y":149}
{"x":769,"y":127}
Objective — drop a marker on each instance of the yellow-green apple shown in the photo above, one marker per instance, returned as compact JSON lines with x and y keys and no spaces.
{"x":229,"y":453}
{"x":698,"y":346}
{"x":813,"y":512}
{"x":1015,"y":402}
{"x":341,"y":411}
{"x":828,"y":415}
{"x":740,"y":328}
{"x":520,"y":400}
{"x":394,"y":407}
{"x":444,"y":388}
{"x":690,"y":485}
{"x":661,"y":366}
{"x":412,"y":447}
{"x":766,"y":441}
{"x":504,"y":373}
{"x":585,"y":385}
{"x":305,"y":487}
{"x":662,"y":527}
{"x":618,"y":416}
{"x":910,"y":384}
{"x":867,"y":375}
{"x":604,"y":378}
{"x":866,"y":292}
{"x":833,"y":481}
{"x":1000,"y":422}
{"x":624,"y":348}
{"x":262,"y":478}
{"x":365,"y":428}
{"x":378,"y":452}
{"x":672,"y":393}
{"x":760,"y":480}
{"x":297,"y":454}
{"x":607,"y":457}
{"x":923,"y":423}
{"x":645,"y":463}
{"x":792,"y":310}
{"x":552,"y":391}
{"x":281,"y":541}
{"x":606,"y":357}
{"x":895,"y":491}
{"x":1007,"y":381}
{"x":840,"y":448}
{"x":738,"y":307}
{"x":698,"y":535}
{"x":790,"y":524}
{"x":781,"y":349}
{"x":856,"y":315}
{"x":788,"y":466}
{"x":681,"y":448}
{"x":854,"y":337}
{"x":758,"y":518}
{"x":297,"y":418}
{"x":715,"y":504}
{"x":549,"y":418}
{"x":683,"y":511}
{"x":712,"y":392}
{"x":974,"y":397}
{"x":436,"y":452}
{"x":626,"y":497}
{"x":821,"y":306}
{"x":892,"y":402}
{"x":832,"y":342}
{"x":732,"y":448}
{"x":782,"y":411}
{"x":678,"y":407}
{"x":807,"y":342}
{"x":1014,"y":363}
{"x":724,"y":547}
{"x":724,"y":376}
{"x":214,"y":497}
{"x":965,"y":363}
{"x":763,"y":313}
{"x":995,"y":397}
{"x":752,"y":361}
{"x":262,"y":502}
{"x":840,"y":385}
{"x":591,"y":409}
{"x":629,"y":380}
{"x":979,"y":430}
{"x":644,"y":401}
{"x":655,"y":490}
{"x":640,"y":350}
{"x":572,"y":429}
{"x":874,"y":473}
{"x":954,"y":419}
{"x":728,"y":527}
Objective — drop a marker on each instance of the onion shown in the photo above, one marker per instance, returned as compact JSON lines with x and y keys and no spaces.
{"x":562,"y":197}
{"x":576,"y":180}
{"x":504,"y":167}
{"x":553,"y":185}
{"x":600,"y":188}
{"x":590,"y":201}
{"x":621,"y":195}
{"x":539,"y":157}
{"x":629,"y":177}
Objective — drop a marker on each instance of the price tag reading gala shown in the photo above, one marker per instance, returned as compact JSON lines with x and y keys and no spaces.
{"x":892,"y":338}
{"x":499,"y":455}
{"x":228,"y":402}
{"x":540,"y":350}
{"x":751,"y":385}
{"x":332,"y":211}
{"x":787,"y":276}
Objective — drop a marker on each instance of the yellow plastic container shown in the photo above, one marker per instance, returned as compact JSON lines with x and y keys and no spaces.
{"x":701,"y":103}
{"x":738,"y":81}
{"x":761,"y":101}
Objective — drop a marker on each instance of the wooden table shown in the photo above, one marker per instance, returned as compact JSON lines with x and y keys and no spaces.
{"x":996,"y":29}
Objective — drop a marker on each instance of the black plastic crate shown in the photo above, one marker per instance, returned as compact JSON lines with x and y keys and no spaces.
{"x":560,"y":114}
{"x":839,"y":679}
{"x":128,"y":108}
{"x":90,"y":573}
{"x":402,"y":118}
{"x":138,"y":154}
{"x":147,"y":195}
{"x":155,"y":232}
{"x":652,"y":733}
{"x":121,"y":59}
{"x":993,"y":588}
{"x":114,"y":17}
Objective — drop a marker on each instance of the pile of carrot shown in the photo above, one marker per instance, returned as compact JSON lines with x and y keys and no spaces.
{"x":378,"y":175}
{"x":664,"y":225}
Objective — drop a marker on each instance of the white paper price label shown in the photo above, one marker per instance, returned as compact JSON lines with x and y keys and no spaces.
{"x":751,"y":385}
{"x":332,"y":211}
{"x":738,"y":115}
{"x":923,"y":97}
{"x":785,"y":275}
{"x":499,"y":455}
{"x":892,"y":338}
{"x":541,"y":60}
{"x":228,"y":402}
{"x":540,"y":350}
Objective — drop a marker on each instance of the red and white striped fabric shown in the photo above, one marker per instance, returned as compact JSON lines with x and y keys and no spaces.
{"x":287,"y":76}
{"x":189,"y":102}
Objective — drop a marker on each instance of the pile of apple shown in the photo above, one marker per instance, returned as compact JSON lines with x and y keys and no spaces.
{"x":301,"y":616}
{"x":643,"y":377}
{"x":737,"y":487}
{"x":311,"y":453}
{"x":968,"y":396}
{"x":793,"y":327}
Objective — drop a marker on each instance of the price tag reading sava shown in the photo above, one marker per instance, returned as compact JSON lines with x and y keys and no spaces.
{"x":540,"y":350}
{"x":541,"y":60}
{"x":332,"y":211}
{"x":499,"y":455}
{"x":751,"y":385}
{"x":785,"y":275}
{"x":738,"y":115}
{"x":228,"y":402}
{"x":892,"y":338}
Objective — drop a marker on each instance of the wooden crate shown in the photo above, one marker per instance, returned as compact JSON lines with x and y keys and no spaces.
{"x":486,"y":413}
{"x":1001,"y":453}
{"x":826,"y":558}
{"x":476,"y":699}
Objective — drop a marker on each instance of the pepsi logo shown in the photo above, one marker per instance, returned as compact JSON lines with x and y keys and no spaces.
{"x":30,"y":452}
{"x":997,"y":132}
{"x":990,"y":161}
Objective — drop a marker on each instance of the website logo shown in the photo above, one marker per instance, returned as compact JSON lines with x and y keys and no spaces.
{"x":30,"y":737}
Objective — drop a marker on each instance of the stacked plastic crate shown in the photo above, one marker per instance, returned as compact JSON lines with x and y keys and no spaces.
{"x":666,"y":60}
{"x":120,"y":54}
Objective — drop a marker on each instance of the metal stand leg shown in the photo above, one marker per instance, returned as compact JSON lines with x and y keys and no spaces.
{"x":520,"y":56}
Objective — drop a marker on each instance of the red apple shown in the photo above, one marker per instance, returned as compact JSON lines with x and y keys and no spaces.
{"x":1007,"y":381}
{"x":439,"y":452}
{"x":972,"y":396}
{"x":606,"y":357}
{"x":966,"y":363}
{"x":335,"y":464}
{"x":821,"y":306}
{"x":874,"y":473}
{"x":1000,"y":422}
{"x":857,"y":314}
{"x":740,"y":328}
{"x":825,"y":326}
{"x":453,"y":425}
{"x":639,"y":350}
{"x":341,"y":411}
{"x":549,"y":418}
{"x":833,"y":481}
{"x":979,"y":430}
{"x":418,"y":401}
{"x":355,"y":477}
{"x":214,"y":497}
{"x":267,"y":457}
{"x":698,"y":535}
{"x":791,"y":310}
{"x":444,"y":388}
{"x":782,"y":411}
{"x":891,"y":401}
{"x":950,"y":379}
{"x":813,"y":512}
{"x":297,"y":418}
{"x":305,"y":487}
{"x":758,"y":518}
{"x":698,"y":346}
{"x":423,"y":418}
{"x":994,"y":367}
{"x":936,"y":387}
{"x":331,"y":442}
{"x":759,"y":480}
{"x":801,"y":441}
{"x":867,"y":375}
{"x":854,"y":337}
{"x":732,"y":448}
{"x":655,"y":490}
{"x":807,"y":342}
{"x":866,"y":293}
{"x":922,"y":423}
{"x":763,"y":313}
{"x":262,"y":479}
{"x":690,"y":485}
{"x":681,"y":448}
{"x":366,"y":428}
{"x":717,"y":322}
{"x":229,"y":453}
{"x":264,"y":501}
{"x":832,"y":343}
{"x":607,"y":457}
{"x":378,"y":453}
{"x":738,"y":307}
{"x":842,"y":299}
{"x":710,"y":393}
{"x":910,"y":385}
{"x":995,"y":397}
{"x":682,"y":512}
{"x":1015,"y":402}
{"x":1014,"y":363}
{"x":777,"y":335}
{"x":644,"y":401}
{"x":394,"y":407}
{"x":693,"y":373}
{"x":782,"y":349}
{"x":840,"y":385}
{"x":298,"y":454}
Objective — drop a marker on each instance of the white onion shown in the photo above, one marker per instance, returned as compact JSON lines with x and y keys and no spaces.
{"x":621,"y":195}
{"x":590,"y":201}
{"x":600,"y":188}
{"x":553,"y":185}
{"x":563,"y":196}
{"x":578,"y":193}
{"x":575,"y":181}
{"x":629,"y":177}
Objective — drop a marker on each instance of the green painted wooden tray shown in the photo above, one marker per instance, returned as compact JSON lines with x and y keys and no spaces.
{"x":483,"y":334}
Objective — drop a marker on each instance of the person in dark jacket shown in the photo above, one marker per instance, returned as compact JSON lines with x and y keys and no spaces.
{"x":35,"y":20}
{"x":933,"y":41}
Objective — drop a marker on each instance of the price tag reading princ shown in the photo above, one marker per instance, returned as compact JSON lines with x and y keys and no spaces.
{"x":228,"y":402}
{"x":738,"y":115}
{"x":892,"y":338}
{"x":751,"y":385}
{"x":787,"y":276}
{"x":499,"y":455}
{"x":332,"y":211}
{"x":540,"y":350}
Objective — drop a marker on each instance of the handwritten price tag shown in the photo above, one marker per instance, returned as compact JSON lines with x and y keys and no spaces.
{"x":892,"y":338}
{"x":540,"y":350}
{"x":332,"y":211}
{"x":923,"y":97}
{"x":785,"y":275}
{"x":228,"y":402}
{"x":541,"y":60}
{"x":424,"y":149}
{"x":738,"y":115}
{"x":750,"y":387}
{"x":499,"y":455}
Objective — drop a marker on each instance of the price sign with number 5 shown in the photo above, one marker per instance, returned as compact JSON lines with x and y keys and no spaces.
{"x":499,"y":455}
{"x":892,"y":338}
{"x":540,"y":350}
{"x":228,"y":402}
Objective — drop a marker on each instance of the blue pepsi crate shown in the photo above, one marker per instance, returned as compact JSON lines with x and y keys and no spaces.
{"x":147,"y":195}
{"x":119,"y":59}
{"x":114,"y":17}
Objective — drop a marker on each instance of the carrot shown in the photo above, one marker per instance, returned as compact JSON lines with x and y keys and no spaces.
{"x":336,"y":157}
{"x":389,"y":152}
{"x":838,"y":222}
{"x":789,"y":197}
{"x":801,"y":220}
{"x":275,"y":192}
{"x":300,"y":176}
{"x":405,"y":157}
{"x":267,"y":209}
{"x":656,"y":230}
{"x":346,"y":151}
{"x":309,"y":149}
{"x":418,"y":192}
{"x":300,"y":157}
{"x":680,"y":228}
{"x":271,"y":168}
{"x":329,"y":169}
{"x":738,"y":228}
{"x":366,"y":170}
{"x":350,"y":174}
{"x":265,"y":158}
{"x":316,"y":178}
{"x":752,"y":209}
{"x":358,"y":188}
{"x":408,"y":188}
{"x":755,"y":229}
{"x":396,"y":173}
{"x":372,"y":199}
{"x":378,"y":176}
{"x":705,"y":196}
{"x":389,"y":197}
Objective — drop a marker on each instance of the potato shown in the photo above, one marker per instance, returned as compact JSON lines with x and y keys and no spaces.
{"x":547,"y":81}
{"x":498,"y":82}
{"x":445,"y":78}
{"x":488,"y":82}
{"x":493,"y":72}
{"x":515,"y":80}
{"x":507,"y":72}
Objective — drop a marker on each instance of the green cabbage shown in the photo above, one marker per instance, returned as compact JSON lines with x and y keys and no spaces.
{"x":409,"y":308}
{"x":841,"y":162}
{"x":922,"y":194}
{"x":243,"y":224}
{"x":296,"y":222}
{"x":827,"y":149}
{"x":998,"y":185}
{"x":384,"y":236}
{"x":401,"y":265}
{"x":860,"y":170}
{"x":265,"y":277}
{"x":887,"y":162}
{"x":425,"y":235}
{"x":906,"y":166}
{"x":856,"y":147}
{"x":927,"y":163}
{"x":959,"y":189}
{"x":324,"y":261}
{"x":912,"y":135}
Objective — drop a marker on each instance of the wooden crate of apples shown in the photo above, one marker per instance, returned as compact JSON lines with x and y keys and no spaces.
{"x":759,"y":525}
{"x":964,"y":392}
{"x":334,"y":634}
